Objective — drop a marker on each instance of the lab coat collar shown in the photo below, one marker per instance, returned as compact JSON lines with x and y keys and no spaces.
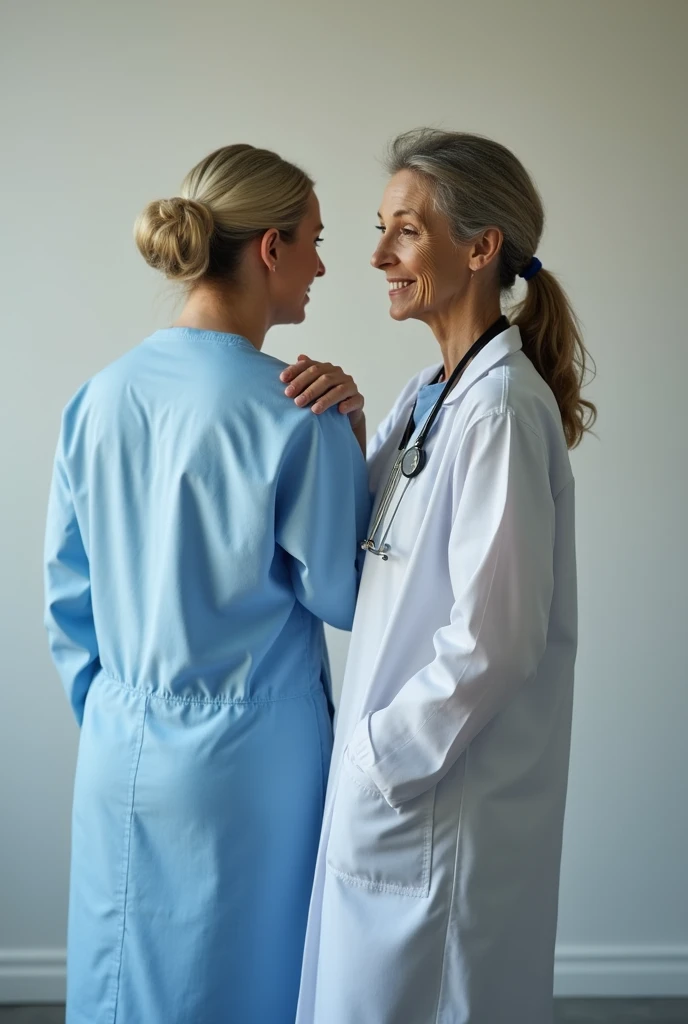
{"x":505,"y":344}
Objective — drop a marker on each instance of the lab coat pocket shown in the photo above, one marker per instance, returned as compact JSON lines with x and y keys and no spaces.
{"x":374,"y":846}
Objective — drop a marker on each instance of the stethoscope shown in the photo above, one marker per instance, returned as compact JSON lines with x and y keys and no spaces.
{"x":411,"y":461}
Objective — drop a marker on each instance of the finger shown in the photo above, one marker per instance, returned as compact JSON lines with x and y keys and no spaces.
{"x":295,"y":368}
{"x":302,"y":361}
{"x":324,"y":383}
{"x":306,"y":377}
{"x":333,"y":396}
{"x":353,"y":404}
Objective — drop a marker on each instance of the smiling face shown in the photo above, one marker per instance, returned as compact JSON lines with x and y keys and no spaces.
{"x":297,"y":265}
{"x":427,"y":272}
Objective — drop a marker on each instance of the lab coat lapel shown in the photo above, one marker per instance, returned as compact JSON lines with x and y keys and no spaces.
{"x":499,"y":348}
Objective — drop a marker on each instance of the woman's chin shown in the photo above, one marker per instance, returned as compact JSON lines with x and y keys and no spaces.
{"x":400,"y":312}
{"x":298,"y":316}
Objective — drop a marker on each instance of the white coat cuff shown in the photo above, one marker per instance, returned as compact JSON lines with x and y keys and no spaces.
{"x":362,"y":754}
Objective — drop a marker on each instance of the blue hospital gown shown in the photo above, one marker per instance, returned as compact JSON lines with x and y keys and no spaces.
{"x":200,"y":527}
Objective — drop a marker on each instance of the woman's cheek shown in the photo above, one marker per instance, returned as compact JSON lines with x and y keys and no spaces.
{"x":426,"y":290}
{"x":426,"y":278}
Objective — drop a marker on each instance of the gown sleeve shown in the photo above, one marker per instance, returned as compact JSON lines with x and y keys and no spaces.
{"x":322,"y":514}
{"x":68,"y":611}
{"x":383,"y":431}
{"x":501,"y":553}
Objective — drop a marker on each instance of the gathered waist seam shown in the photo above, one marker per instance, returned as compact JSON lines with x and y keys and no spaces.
{"x":172,"y":698}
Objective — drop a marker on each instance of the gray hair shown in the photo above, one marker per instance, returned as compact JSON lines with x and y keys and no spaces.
{"x":478,"y":184}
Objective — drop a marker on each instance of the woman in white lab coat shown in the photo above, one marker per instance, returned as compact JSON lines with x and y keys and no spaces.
{"x":436,"y":888}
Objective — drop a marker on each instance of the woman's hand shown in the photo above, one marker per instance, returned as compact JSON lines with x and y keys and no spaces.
{"x":322,"y":385}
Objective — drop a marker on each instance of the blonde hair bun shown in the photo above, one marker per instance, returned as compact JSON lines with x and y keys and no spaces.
{"x":227,"y":200}
{"x":173,"y":236}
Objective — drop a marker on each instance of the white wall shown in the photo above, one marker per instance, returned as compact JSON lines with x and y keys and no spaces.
{"x":105,"y":106}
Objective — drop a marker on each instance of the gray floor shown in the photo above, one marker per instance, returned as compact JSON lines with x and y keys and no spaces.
{"x":568,"y":1011}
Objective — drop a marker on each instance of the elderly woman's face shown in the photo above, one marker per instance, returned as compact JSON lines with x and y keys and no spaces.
{"x":426,"y":271}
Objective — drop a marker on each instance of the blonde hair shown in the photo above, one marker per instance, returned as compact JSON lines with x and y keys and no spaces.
{"x":228,"y":199}
{"x":478,"y":183}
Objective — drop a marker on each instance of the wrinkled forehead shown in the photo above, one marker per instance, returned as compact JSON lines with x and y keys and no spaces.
{"x":408,"y":193}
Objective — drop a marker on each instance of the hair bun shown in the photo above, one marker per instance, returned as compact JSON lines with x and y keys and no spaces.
{"x":173,"y":236}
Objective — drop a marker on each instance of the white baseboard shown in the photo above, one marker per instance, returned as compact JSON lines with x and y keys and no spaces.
{"x":621,"y":971}
{"x":38,"y":975}
{"x":32,"y":975}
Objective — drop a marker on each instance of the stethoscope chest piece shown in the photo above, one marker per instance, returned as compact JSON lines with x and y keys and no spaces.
{"x":413,"y":461}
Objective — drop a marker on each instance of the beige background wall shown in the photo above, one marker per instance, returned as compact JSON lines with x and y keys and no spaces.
{"x":106,"y":105}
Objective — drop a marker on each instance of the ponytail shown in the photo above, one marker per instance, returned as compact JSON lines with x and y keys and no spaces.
{"x":551,"y":336}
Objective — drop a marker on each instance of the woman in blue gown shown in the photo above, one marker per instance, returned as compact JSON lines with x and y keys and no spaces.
{"x":199,"y":532}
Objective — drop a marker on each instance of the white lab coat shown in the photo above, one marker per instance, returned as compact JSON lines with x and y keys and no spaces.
{"x":436,"y":886}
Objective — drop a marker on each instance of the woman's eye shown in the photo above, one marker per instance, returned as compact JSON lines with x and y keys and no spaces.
{"x":403,"y":231}
{"x":319,"y":241}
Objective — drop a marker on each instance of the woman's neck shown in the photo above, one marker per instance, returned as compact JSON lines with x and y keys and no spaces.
{"x":211,"y":308}
{"x":456,"y":332}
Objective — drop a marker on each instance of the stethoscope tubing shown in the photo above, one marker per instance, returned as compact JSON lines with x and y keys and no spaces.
{"x":416,"y":456}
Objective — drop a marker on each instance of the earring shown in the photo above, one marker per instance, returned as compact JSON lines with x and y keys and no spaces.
{"x":274,"y":267}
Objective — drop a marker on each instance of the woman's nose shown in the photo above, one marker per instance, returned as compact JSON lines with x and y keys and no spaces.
{"x":320,"y":272}
{"x":381,"y":257}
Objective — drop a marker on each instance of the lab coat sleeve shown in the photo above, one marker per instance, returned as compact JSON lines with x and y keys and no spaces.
{"x":68,"y":611}
{"x":321,"y":515}
{"x":501,"y":548}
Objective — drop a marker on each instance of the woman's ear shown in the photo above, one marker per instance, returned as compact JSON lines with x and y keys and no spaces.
{"x":485,"y":248}
{"x":269,"y":246}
